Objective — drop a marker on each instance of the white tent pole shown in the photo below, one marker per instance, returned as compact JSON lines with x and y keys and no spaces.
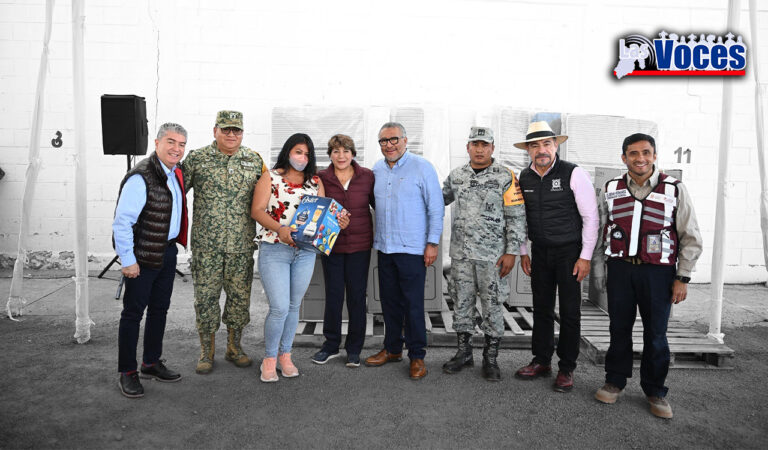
{"x":718,"y":252}
{"x":82,"y":321}
{"x":15,"y":300}
{"x":759,"y":128}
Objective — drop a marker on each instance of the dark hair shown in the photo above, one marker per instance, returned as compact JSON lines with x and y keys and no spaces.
{"x":637,"y":137}
{"x":343,"y":141}
{"x":283,"y":161}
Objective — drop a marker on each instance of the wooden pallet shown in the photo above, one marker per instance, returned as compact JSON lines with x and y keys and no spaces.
{"x":518,"y":326}
{"x":688,"y":347}
{"x":310,"y":334}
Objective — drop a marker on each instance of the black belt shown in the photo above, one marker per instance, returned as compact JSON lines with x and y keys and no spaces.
{"x":172,"y":242}
{"x":634,"y":260}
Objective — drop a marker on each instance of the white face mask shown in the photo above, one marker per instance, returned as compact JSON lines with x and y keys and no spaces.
{"x":298,"y":164}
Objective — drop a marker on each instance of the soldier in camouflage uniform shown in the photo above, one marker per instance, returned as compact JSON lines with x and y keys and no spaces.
{"x":223,"y":175}
{"x":487,"y":230}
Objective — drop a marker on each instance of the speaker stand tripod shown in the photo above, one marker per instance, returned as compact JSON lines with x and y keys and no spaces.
{"x":129,"y":166}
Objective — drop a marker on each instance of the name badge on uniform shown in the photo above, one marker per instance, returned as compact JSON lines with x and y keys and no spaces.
{"x":661,"y":198}
{"x":246,"y":163}
{"x":621,"y":193}
{"x":654,"y":243}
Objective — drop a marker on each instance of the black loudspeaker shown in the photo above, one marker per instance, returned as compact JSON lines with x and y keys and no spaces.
{"x":124,"y":125}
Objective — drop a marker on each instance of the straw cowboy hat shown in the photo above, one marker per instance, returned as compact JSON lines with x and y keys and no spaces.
{"x":538,"y":131}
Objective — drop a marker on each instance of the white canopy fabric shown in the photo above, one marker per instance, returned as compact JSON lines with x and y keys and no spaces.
{"x":16,"y":301}
{"x":760,"y":128}
{"x":82,"y":321}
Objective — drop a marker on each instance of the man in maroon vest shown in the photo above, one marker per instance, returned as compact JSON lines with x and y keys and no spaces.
{"x":150,"y":218}
{"x":652,"y":241}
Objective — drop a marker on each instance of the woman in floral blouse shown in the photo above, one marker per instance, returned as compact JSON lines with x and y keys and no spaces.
{"x":285,"y":269}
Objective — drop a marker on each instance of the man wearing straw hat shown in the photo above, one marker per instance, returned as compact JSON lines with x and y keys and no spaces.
{"x":562,"y":217}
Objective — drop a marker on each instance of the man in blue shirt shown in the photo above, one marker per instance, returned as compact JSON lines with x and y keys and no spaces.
{"x":409,"y":220}
{"x":150,"y":218}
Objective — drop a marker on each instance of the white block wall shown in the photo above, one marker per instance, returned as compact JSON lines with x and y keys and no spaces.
{"x":459,"y":59}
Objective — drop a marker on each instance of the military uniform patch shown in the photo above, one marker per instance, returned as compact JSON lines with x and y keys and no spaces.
{"x":513,"y":196}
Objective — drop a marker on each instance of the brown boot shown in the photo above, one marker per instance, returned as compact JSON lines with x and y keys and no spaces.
{"x":234,"y":352}
{"x":207,"y":348}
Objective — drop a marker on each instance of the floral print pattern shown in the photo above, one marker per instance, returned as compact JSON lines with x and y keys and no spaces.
{"x":284,"y":201}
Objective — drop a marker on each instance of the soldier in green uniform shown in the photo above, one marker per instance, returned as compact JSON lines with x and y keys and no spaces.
{"x":487,"y":230}
{"x":223,"y":175}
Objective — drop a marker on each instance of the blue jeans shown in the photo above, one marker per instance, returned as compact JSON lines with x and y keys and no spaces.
{"x":401,"y":285}
{"x":285,"y":274}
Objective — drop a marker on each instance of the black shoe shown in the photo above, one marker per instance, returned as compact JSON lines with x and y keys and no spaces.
{"x":353,"y":361}
{"x":463,"y":357}
{"x":323,"y":357}
{"x":130,"y":386}
{"x":491,"y":371}
{"x":160,"y":373}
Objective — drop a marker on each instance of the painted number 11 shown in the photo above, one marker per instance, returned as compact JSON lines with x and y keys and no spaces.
{"x":680,"y":152}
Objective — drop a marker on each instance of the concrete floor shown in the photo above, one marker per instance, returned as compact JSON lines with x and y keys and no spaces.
{"x":58,"y":394}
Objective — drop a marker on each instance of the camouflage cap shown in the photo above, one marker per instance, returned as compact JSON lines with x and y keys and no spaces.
{"x":227,"y":119}
{"x":481,"y":134}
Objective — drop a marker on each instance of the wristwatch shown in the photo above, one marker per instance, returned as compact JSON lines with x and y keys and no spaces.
{"x":682,"y":279}
{"x":432,"y":244}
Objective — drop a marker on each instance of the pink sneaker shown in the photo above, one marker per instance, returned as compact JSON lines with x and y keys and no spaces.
{"x":268,"y":374}
{"x":286,"y":366}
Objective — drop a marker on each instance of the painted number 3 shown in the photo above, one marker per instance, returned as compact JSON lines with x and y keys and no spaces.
{"x":680,"y":152}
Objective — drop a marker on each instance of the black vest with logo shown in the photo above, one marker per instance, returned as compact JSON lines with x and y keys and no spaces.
{"x":550,"y":207}
{"x":150,"y":232}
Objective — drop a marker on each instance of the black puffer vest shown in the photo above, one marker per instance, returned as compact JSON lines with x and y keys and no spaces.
{"x":550,"y":207}
{"x":150,"y":232}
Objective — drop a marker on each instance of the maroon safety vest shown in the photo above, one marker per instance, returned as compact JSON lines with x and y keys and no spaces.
{"x":642,"y":228}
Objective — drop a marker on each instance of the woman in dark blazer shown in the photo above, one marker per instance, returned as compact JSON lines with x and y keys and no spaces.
{"x":346,"y":268}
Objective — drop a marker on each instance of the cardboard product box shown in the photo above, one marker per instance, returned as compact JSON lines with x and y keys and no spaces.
{"x":316,"y":224}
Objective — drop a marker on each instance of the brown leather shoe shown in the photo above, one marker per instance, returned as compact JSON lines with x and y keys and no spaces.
{"x":563,"y":382}
{"x":383,"y":357}
{"x":533,"y":370}
{"x":418,"y":369}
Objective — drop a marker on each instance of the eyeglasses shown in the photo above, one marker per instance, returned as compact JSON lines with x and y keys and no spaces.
{"x":392,"y":140}
{"x":231,"y":130}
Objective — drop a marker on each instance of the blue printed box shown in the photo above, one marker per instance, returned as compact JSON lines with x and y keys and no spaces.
{"x":316,"y":224}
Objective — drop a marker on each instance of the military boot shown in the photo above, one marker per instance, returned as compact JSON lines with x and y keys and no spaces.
{"x":491,"y":371}
{"x":234,"y":352}
{"x":463,"y":356}
{"x":207,"y":348}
